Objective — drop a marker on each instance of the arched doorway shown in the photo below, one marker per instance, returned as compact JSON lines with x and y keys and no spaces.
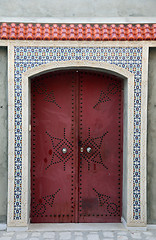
{"x":76,"y":160}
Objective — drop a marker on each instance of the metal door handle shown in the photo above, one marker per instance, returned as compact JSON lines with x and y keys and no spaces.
{"x":64,"y":150}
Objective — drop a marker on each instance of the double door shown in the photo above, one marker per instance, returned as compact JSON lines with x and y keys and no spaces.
{"x":76,"y":147}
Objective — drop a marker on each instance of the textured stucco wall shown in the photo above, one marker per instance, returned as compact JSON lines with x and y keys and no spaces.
{"x":81,"y":8}
{"x":151,"y":150}
{"x":3,"y":133}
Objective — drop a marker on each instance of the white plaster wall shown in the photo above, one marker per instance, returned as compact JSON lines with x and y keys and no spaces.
{"x":3,"y":134}
{"x":151,"y":150}
{"x":81,"y":8}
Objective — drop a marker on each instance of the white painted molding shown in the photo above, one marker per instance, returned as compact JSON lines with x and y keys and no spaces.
{"x":132,"y":228}
{"x":53,"y":66}
{"x":77,"y":43}
{"x":82,"y":20}
{"x":11,"y":134}
{"x":143,"y":141}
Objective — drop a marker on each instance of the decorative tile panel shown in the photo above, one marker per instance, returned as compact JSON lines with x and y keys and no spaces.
{"x":26,"y":58}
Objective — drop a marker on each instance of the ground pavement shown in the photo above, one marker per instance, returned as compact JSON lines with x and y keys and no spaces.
{"x":79,"y":235}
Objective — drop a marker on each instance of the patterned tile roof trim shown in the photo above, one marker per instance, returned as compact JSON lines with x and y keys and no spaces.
{"x":78,"y":32}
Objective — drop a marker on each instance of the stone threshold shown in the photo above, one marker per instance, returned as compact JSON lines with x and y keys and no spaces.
{"x":76,"y":227}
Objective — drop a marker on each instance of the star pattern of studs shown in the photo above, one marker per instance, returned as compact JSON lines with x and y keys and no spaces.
{"x":42,"y":90}
{"x":95,"y":155}
{"x":105,"y":96}
{"x":107,"y":204}
{"x":40,"y":208}
{"x":57,"y":155}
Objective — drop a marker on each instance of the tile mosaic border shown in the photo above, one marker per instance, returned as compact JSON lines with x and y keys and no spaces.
{"x":140,"y":215}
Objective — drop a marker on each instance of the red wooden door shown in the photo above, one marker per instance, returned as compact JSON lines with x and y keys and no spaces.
{"x":76,"y":167}
{"x":100,"y":137}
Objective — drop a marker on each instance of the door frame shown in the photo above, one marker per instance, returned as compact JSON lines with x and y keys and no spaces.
{"x":127,"y":157}
{"x":64,"y":75}
{"x":127,"y":126}
{"x":128,"y":137}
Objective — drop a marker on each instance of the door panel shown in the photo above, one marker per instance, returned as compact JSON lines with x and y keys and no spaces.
{"x":101,"y":140}
{"x":76,"y":167}
{"x":53,"y":132}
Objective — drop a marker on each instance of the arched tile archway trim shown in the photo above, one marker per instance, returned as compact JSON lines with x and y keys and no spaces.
{"x":129,"y":63}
